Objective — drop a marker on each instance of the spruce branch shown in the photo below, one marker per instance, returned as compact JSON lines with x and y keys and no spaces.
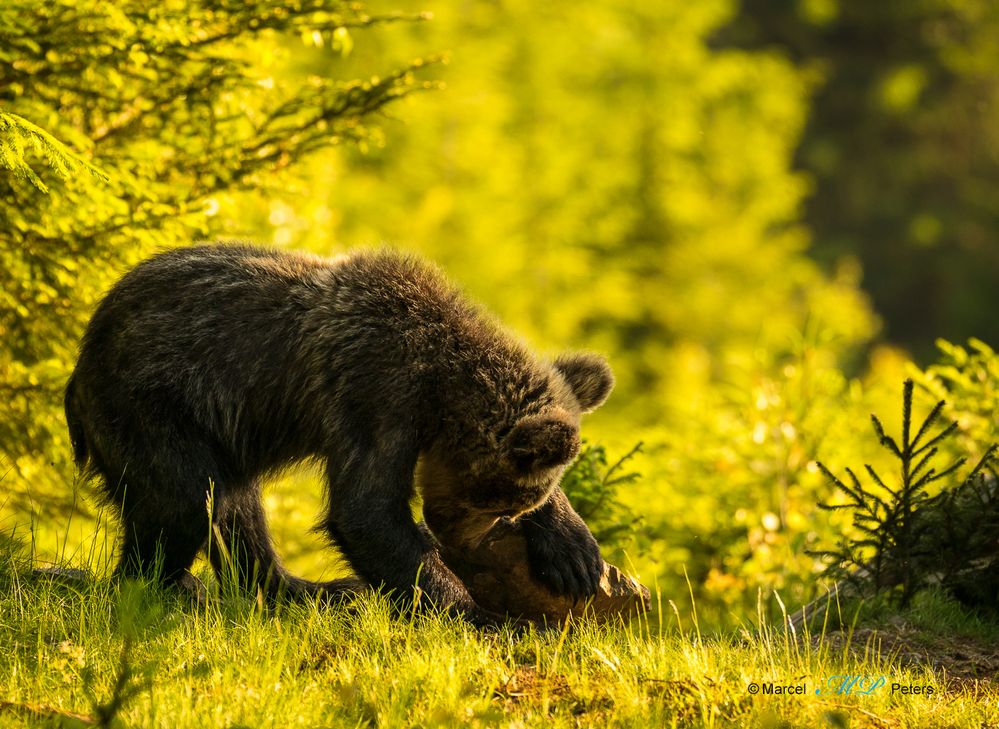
{"x":886,"y":440}
{"x":18,"y":136}
{"x":942,"y":435}
{"x":929,"y":421}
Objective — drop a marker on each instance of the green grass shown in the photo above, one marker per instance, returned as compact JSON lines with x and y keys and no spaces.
{"x":231,"y":663}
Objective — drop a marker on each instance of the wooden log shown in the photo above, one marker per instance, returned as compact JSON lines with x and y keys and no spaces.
{"x":492,"y":562}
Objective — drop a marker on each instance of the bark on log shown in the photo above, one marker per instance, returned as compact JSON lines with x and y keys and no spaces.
{"x":495,"y":570}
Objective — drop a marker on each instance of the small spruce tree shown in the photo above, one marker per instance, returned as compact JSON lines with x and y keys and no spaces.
{"x":907,"y":537}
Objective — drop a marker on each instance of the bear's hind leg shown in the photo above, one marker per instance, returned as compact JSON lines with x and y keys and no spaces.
{"x":161,"y":492}
{"x":247,"y":552}
{"x":158,"y":544}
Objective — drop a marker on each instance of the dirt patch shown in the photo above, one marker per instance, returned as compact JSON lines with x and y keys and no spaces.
{"x":550,"y":693}
{"x":962,"y":662}
{"x":527,"y":685}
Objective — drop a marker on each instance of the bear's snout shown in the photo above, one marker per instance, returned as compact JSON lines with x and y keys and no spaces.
{"x":540,"y":442}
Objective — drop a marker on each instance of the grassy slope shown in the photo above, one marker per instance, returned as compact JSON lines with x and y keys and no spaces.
{"x":228,"y":663}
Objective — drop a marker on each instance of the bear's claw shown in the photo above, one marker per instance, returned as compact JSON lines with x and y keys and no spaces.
{"x":566,"y":559}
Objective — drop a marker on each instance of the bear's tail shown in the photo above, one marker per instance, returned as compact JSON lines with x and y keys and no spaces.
{"x":77,"y":435}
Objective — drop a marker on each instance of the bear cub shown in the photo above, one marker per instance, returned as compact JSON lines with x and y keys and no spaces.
{"x":205,"y":369}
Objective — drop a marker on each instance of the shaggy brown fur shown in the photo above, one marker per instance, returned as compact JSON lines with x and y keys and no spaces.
{"x":222,"y":364}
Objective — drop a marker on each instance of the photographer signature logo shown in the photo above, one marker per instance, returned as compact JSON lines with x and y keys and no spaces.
{"x":845,"y":685}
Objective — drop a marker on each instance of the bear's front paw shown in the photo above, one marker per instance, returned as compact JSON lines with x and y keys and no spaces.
{"x":568,"y":562}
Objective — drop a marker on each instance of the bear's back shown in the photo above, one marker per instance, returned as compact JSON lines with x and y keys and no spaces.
{"x":239,"y":317}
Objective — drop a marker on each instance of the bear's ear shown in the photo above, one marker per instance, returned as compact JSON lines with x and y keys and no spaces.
{"x":589,"y":376}
{"x":538,"y":442}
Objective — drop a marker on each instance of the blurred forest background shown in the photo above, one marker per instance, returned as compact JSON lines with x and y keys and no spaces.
{"x":764,"y":212}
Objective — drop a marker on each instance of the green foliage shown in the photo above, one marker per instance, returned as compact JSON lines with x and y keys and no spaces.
{"x":962,"y":529}
{"x":731,"y":489}
{"x":19,"y":136}
{"x":178,"y":103}
{"x":906,"y":536}
{"x":901,"y":145}
{"x":593,"y":488}
{"x":967,"y":378}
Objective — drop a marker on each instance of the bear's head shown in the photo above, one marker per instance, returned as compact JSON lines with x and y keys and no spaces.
{"x":521,"y":450}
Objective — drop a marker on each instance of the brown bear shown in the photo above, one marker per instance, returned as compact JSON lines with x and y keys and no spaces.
{"x":207,"y":368}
